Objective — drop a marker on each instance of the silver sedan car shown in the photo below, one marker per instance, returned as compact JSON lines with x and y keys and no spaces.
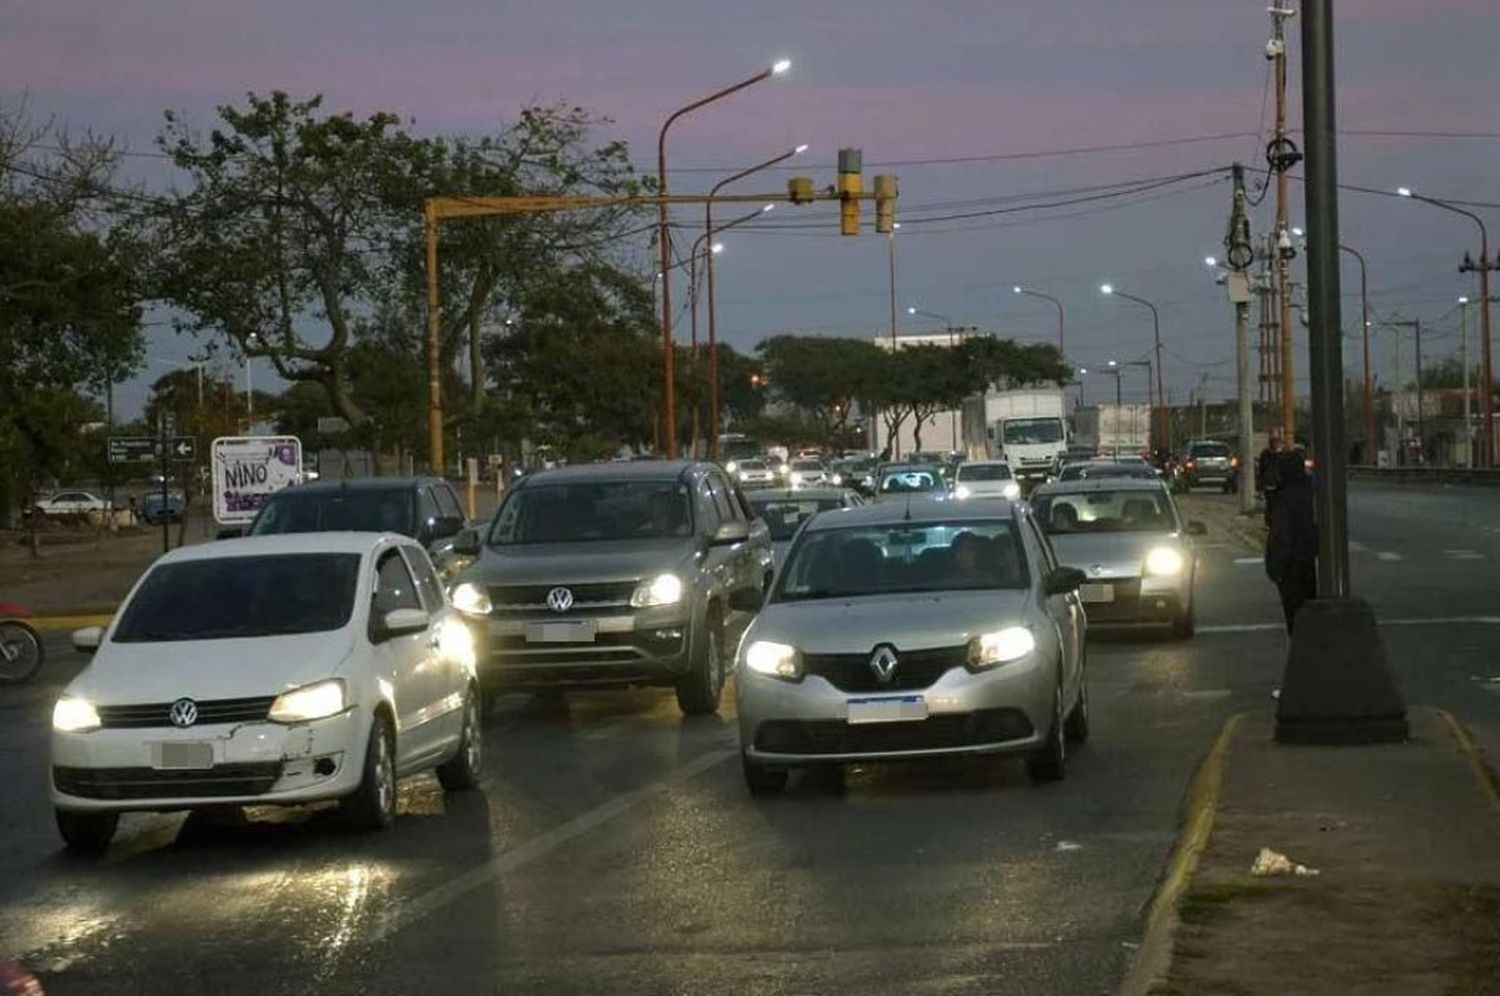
{"x":1129,"y":538}
{"x":914,"y":629}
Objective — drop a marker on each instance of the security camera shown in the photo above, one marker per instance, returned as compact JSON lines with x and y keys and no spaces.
{"x":1275,"y":48}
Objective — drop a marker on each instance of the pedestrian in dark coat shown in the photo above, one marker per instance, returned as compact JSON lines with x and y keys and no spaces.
{"x":1292,"y":544}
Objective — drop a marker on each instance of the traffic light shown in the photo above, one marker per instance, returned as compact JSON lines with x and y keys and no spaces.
{"x":885,"y":203}
{"x":799,"y":190}
{"x":850,"y":186}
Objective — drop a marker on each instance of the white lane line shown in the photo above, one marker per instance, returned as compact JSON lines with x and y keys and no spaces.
{"x":1435,"y":621}
{"x":1241,"y":628}
{"x":1389,"y":557}
{"x":1245,"y":561}
{"x":404,"y":914}
{"x":1465,"y":554}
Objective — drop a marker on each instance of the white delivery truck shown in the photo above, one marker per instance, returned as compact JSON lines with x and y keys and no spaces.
{"x":1027,"y":430}
{"x":1112,"y":430}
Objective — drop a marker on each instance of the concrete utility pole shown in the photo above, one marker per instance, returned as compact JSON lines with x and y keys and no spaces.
{"x":1463,"y":352}
{"x":1364,"y":320}
{"x":1240,"y":257}
{"x":1281,"y":156}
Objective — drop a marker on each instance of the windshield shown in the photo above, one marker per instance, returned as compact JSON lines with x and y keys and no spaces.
{"x":910,"y":480}
{"x":1210,"y":450}
{"x":593,"y":511}
{"x":1132,"y":511}
{"x":1028,"y":431}
{"x":752,"y":465}
{"x":970,"y":472}
{"x":908,"y":557}
{"x":785,"y":516}
{"x":242,"y":597}
{"x":356,"y":509}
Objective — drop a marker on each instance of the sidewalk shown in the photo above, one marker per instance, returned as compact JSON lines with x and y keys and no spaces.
{"x":1221,"y":513}
{"x":1406,"y":842}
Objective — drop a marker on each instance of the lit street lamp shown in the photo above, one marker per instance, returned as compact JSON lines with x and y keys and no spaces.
{"x":1108,"y":290}
{"x":1048,"y":297}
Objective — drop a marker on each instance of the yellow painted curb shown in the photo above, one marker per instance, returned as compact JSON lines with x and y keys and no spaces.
{"x":53,"y":623}
{"x":1202,"y":805}
{"x":1474,"y":755}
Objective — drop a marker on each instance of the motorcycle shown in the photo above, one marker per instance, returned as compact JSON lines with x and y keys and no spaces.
{"x":21,"y":651}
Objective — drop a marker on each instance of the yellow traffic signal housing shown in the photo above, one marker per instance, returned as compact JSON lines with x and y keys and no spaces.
{"x":885,"y":203}
{"x":850,"y":186}
{"x":799,"y":189}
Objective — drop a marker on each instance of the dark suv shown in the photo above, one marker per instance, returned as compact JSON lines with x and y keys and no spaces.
{"x":612,"y":575}
{"x":1208,"y":462}
{"x":424,"y":508}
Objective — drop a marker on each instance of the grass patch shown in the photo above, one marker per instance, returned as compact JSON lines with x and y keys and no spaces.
{"x":1205,"y":902}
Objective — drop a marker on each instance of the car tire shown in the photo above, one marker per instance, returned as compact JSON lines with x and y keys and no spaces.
{"x":762,"y":779}
{"x":373,"y":804}
{"x":87,"y":833}
{"x":1076,"y":725}
{"x":1049,"y":762}
{"x":461,"y":772}
{"x":699,"y":690}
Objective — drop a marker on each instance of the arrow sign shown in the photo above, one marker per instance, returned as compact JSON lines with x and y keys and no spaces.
{"x":183,"y":447}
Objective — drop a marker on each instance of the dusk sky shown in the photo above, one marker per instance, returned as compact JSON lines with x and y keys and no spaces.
{"x":903,"y":81}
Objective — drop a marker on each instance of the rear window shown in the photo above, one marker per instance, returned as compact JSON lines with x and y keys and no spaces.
{"x":1134,"y":511}
{"x":1210,"y":450}
{"x":983,"y":472}
{"x":355,"y":510}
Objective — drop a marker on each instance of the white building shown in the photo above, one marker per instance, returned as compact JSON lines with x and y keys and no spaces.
{"x":941,"y":433}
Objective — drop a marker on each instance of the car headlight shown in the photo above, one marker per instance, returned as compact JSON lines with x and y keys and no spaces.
{"x":732,"y":466}
{"x":1002,"y":647}
{"x":1012,"y":490}
{"x":456,"y":643}
{"x":72,"y":715}
{"x":1164,"y":560}
{"x":319,"y":700}
{"x":962,"y":491}
{"x":470,"y":599}
{"x":664,"y":589}
{"x":777,"y":660}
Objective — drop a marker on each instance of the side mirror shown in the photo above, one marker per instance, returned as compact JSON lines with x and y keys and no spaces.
{"x":730,"y":533}
{"x":444,"y":526}
{"x":746,"y":600}
{"x":398,"y":622}
{"x":1196,"y":528}
{"x":87,"y":640}
{"x":466,"y":542}
{"x":1065,"y":579}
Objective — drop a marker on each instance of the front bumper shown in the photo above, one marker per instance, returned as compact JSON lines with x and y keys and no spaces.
{"x":1146,"y":600}
{"x":629,"y":648}
{"x":259,"y":763}
{"x":1000,"y":711}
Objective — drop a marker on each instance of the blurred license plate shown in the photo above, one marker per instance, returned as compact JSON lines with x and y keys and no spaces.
{"x":905,"y":709}
{"x":581,"y":631}
{"x":1096,"y":592}
{"x":184,"y":755}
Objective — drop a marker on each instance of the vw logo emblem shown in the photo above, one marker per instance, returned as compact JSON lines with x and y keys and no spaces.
{"x":560,"y":599}
{"x":183,"y":713}
{"x":883,"y":662}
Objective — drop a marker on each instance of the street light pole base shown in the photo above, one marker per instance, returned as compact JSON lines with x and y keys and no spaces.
{"x":1337,"y":688}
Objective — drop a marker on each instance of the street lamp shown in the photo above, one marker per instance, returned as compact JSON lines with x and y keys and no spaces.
{"x":713,"y":250}
{"x":664,"y":238}
{"x":1484,"y":266}
{"x":713,"y":328}
{"x":1058,"y":304}
{"x":1108,"y":290}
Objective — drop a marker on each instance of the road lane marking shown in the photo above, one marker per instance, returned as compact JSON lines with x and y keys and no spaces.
{"x":1465,"y":554}
{"x":404,"y":914}
{"x":1389,"y":557}
{"x":1245,"y":561}
{"x":1434,"y":621}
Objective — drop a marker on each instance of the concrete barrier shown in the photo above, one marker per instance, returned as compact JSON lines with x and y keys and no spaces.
{"x":1428,"y":475}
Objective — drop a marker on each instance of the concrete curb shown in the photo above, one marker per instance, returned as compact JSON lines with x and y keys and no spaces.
{"x":52,"y":624}
{"x":1154,"y":957}
{"x":1474,"y":754}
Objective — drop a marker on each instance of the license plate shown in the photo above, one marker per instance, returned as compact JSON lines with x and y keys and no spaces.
{"x":194,"y":755}
{"x":580,"y":631}
{"x":906,"y":709}
{"x":1097,"y":592}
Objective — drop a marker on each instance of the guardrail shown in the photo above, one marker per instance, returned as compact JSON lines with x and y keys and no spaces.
{"x":1428,"y":475}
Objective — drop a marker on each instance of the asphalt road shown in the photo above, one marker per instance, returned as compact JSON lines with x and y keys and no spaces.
{"x":614,"y":849}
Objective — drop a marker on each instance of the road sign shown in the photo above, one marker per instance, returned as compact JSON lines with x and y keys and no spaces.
{"x":184,"y":448}
{"x":131,"y":449}
{"x":249,"y":469}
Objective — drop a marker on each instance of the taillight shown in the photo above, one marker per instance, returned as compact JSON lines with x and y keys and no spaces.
{"x":1192,"y":464}
{"x":1234,"y":462}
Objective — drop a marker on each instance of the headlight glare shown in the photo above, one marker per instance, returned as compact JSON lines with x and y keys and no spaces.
{"x":316,"y":701}
{"x":962,"y":491}
{"x":1001,"y":647}
{"x":777,"y":660}
{"x":1164,"y":561}
{"x":664,"y":589}
{"x":471,"y":600}
{"x":732,"y":466}
{"x":1012,"y":490}
{"x":72,"y":715}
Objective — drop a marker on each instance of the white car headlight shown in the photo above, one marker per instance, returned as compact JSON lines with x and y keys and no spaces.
{"x":962,"y":491}
{"x":732,"y":466}
{"x":471,"y":600}
{"x":664,"y":589}
{"x":456,"y":643}
{"x":778,"y":660}
{"x":1164,"y":560}
{"x":72,"y":715}
{"x":1012,"y":490}
{"x":1002,"y":647}
{"x":319,"y":700}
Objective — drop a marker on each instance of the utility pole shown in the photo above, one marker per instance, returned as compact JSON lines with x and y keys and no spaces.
{"x":1281,"y":156}
{"x":1416,"y":326}
{"x":1240,"y":256}
{"x":1463,"y":352}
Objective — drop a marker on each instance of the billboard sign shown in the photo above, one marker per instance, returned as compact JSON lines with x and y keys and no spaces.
{"x":249,"y":469}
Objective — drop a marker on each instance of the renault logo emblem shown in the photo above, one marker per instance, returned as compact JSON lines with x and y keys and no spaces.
{"x":560,"y":599}
{"x":183,"y":713}
{"x":883,"y":662}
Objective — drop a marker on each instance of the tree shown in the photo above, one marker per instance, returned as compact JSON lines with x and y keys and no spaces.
{"x":822,"y":377}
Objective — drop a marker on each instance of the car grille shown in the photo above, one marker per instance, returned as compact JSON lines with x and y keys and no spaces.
{"x":149,"y":783}
{"x":951,"y":730}
{"x":512,"y":600}
{"x":513,"y":653}
{"x":210,"y":711}
{"x":915,"y":669}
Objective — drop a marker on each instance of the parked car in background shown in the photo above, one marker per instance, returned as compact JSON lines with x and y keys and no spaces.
{"x":985,"y":478}
{"x":156,"y":508}
{"x":785,"y":510}
{"x":70,"y":503}
{"x":425,"y":508}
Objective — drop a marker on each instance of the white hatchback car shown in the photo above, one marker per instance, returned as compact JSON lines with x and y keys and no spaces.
{"x":270,"y":670}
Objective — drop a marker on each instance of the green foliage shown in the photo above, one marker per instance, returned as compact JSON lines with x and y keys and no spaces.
{"x":823,"y":377}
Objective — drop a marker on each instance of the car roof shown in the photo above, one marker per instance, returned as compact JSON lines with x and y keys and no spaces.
{"x":284,"y":543}
{"x":917,"y":509}
{"x":635,"y":470}
{"x":984,"y":463}
{"x":1099,"y":484}
{"x":321,"y":487}
{"x":788,"y":494}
